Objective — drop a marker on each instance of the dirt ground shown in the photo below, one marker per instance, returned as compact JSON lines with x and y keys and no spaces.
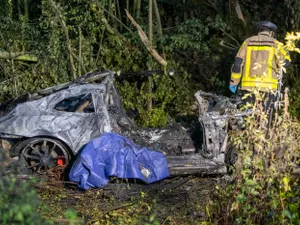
{"x":178,"y":200}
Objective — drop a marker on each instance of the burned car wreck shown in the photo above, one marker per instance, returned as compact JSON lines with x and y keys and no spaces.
{"x":49,"y":128}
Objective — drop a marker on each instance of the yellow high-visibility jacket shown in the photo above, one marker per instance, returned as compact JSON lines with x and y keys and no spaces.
{"x":257,"y":62}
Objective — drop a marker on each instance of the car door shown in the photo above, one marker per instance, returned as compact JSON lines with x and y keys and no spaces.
{"x":78,"y":119}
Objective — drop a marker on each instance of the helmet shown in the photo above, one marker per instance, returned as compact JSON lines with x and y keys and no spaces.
{"x":261,"y":24}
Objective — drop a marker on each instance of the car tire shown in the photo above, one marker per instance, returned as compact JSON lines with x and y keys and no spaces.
{"x":231,"y":156}
{"x":44,"y":156}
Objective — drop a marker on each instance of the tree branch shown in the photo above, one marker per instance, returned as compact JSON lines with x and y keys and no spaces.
{"x":17,"y":56}
{"x":146,"y":41}
{"x":113,"y":16}
{"x":239,"y":12}
{"x":231,"y":37}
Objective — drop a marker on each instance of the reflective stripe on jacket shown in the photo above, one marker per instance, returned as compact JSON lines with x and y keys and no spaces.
{"x":256,"y":63}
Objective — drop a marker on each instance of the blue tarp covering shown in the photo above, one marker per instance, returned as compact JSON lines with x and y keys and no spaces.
{"x":114,"y":155}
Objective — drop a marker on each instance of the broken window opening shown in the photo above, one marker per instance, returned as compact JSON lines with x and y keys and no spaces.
{"x":81,"y":103}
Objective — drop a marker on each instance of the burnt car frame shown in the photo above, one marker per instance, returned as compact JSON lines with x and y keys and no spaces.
{"x":48,"y":129}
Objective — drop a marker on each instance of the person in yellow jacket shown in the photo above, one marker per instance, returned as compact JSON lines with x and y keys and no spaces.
{"x":257,"y":61}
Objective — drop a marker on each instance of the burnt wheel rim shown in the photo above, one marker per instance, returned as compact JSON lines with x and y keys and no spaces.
{"x":44,"y":154}
{"x":231,"y":156}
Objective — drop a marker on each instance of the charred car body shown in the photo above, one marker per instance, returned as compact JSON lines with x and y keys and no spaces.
{"x":48,"y":129}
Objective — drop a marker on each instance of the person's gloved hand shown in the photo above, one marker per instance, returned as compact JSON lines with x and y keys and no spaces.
{"x":233,"y":88}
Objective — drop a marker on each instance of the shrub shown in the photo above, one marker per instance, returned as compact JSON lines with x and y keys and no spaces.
{"x":265,"y":188}
{"x":18,"y":200}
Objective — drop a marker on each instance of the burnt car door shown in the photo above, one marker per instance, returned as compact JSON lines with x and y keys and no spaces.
{"x":81,"y":118}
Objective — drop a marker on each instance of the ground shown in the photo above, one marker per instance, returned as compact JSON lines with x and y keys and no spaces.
{"x":178,"y":200}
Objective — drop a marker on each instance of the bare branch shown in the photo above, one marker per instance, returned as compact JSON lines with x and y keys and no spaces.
{"x":231,"y":37}
{"x":20,"y":56}
{"x":146,"y":41}
{"x":239,"y":12}
{"x":113,"y":16}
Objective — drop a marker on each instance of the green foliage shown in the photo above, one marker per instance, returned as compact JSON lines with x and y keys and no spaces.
{"x":18,"y":200}
{"x":72,"y":217}
{"x":265,"y":190}
{"x":19,"y":203}
{"x":191,"y":40}
{"x":291,"y":80}
{"x":188,"y":36}
{"x":100,"y":38}
{"x":113,"y":209}
{"x":170,"y":96}
{"x":94,"y":45}
{"x":194,"y":35}
{"x":195,"y":45}
{"x":18,"y":36}
{"x":295,"y":101}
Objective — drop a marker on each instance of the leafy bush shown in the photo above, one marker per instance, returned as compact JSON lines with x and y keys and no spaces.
{"x":171,"y":98}
{"x":265,"y":189}
{"x":295,"y":101}
{"x":18,"y":200}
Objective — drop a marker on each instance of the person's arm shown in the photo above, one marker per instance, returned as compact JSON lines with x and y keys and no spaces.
{"x":237,"y":68}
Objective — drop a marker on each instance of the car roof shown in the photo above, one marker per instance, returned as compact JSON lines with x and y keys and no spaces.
{"x":80,"y":84}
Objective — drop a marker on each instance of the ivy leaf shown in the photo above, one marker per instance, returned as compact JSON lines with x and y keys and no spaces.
{"x":241,"y":198}
{"x":287,"y":214}
{"x":250,"y":182}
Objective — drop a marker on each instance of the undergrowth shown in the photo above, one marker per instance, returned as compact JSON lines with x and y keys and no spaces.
{"x":266,"y":186}
{"x":19,"y":201}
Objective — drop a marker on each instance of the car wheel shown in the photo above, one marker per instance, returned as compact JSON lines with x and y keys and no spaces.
{"x":231,"y":156}
{"x":41,"y":155}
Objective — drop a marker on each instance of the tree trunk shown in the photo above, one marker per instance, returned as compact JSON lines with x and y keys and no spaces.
{"x":111,"y":12}
{"x":127,"y":7}
{"x":68,"y":42}
{"x":146,"y":41}
{"x":157,"y":16}
{"x":115,"y":9}
{"x":19,"y":10}
{"x":150,"y":21}
{"x":6,"y":9}
{"x":110,"y":6}
{"x":138,"y":9}
{"x":159,"y":25}
{"x":26,"y":13}
{"x":79,"y":50}
{"x":150,"y":36}
{"x":239,"y":12}
{"x":134,"y":7}
{"x":119,"y":11}
{"x":184,"y":11}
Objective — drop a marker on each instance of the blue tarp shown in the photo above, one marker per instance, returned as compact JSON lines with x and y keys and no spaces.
{"x":114,"y":155}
